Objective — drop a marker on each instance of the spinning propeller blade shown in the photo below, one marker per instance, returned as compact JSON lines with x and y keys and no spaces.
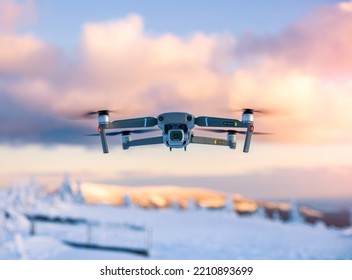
{"x":89,"y":114}
{"x":99,"y":112}
{"x":251,"y":111}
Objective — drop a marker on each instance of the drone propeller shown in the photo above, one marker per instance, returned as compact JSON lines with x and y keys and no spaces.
{"x":251,"y":111}
{"x":88,"y":114}
{"x":125,"y":132}
{"x":231,"y":131}
{"x":99,"y":112}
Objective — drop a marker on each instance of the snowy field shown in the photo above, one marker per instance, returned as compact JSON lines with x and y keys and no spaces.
{"x":174,"y":234}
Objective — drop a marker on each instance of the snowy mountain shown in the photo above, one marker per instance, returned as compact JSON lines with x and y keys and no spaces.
{"x":207,"y":229}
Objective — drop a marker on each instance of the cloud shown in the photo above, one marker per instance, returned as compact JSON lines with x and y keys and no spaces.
{"x":318,"y":44}
{"x":277,"y":184}
{"x":123,"y":66}
{"x":304,"y":73}
{"x":26,"y":56}
{"x":21,"y":125}
{"x":13,"y":14}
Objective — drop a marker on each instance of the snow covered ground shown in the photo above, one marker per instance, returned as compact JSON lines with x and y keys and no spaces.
{"x":176,"y":234}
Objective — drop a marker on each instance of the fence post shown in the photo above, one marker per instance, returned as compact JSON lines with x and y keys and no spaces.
{"x":32,"y":228}
{"x":89,"y":234}
{"x":149,"y":240}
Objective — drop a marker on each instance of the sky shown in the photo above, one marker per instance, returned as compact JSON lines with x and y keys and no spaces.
{"x":294,"y":58}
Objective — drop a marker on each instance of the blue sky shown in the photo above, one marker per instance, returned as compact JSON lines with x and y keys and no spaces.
{"x":60,"y":22}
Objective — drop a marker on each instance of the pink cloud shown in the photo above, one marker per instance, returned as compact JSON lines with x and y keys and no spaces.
{"x":304,"y":72}
{"x":319,"y":43}
{"x":25,"y":55}
{"x":13,"y":14}
{"x":135,"y":70}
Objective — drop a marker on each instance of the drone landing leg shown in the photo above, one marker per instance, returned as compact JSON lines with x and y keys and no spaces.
{"x":247,"y":141}
{"x":104,"y":143}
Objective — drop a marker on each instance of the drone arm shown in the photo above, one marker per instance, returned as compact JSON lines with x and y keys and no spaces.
{"x":133,"y":123}
{"x":209,"y":141}
{"x":142,"y":142}
{"x":219,"y":122}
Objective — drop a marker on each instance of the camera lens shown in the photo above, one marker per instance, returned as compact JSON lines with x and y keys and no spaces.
{"x":176,"y":136}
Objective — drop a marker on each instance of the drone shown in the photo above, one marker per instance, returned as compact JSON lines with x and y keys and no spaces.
{"x":177,"y":130}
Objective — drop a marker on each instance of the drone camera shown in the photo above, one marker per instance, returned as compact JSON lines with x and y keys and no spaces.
{"x":176,"y":135}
